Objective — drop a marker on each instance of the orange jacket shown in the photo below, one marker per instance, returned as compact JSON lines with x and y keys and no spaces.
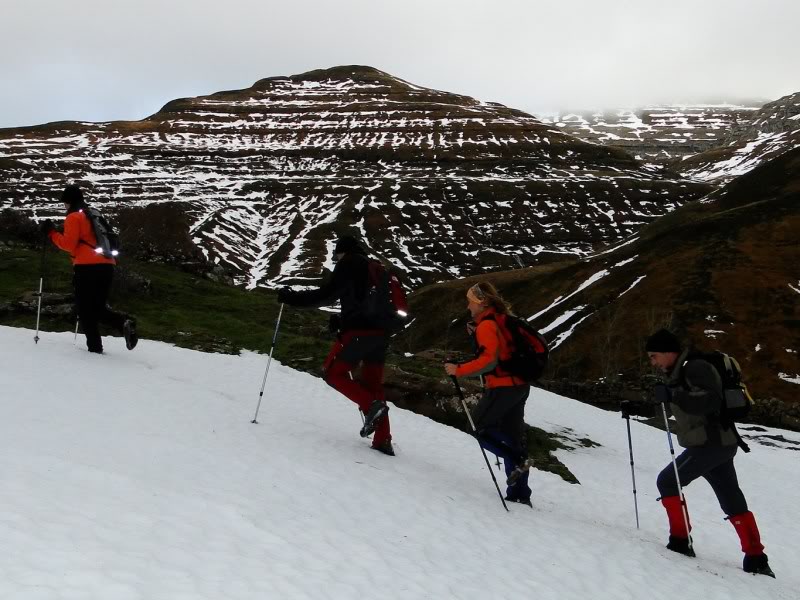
{"x":78,"y":239}
{"x":492,"y":348}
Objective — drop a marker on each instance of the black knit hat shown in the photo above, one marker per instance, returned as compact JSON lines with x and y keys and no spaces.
{"x":73,"y":196}
{"x":347,"y":243}
{"x":663,"y":341}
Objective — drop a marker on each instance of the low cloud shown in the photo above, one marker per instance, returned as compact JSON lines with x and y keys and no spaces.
{"x":97,"y":60}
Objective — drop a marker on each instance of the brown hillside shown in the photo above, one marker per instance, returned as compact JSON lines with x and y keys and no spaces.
{"x":723,"y":273}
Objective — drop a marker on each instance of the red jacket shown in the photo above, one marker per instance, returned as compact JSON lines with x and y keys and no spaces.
{"x":78,"y":239}
{"x":492,"y":348}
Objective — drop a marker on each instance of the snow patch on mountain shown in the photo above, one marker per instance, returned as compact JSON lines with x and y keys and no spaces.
{"x":746,"y":158}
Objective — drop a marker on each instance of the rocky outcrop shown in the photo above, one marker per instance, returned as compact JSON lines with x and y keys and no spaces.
{"x":779,"y":116}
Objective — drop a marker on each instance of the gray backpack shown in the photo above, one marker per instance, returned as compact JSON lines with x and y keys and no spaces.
{"x":107,"y":238}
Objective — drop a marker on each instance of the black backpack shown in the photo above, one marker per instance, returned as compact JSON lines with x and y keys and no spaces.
{"x":736,"y":401}
{"x":385,"y":303}
{"x":529,"y":351}
{"x":107,"y":238}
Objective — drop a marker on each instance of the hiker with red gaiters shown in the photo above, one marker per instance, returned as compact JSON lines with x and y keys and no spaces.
{"x":692,"y":390}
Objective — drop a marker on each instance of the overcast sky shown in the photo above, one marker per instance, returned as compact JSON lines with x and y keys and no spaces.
{"x":100,"y":60}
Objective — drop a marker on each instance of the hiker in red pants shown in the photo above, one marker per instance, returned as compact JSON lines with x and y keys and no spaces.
{"x":361,"y":340}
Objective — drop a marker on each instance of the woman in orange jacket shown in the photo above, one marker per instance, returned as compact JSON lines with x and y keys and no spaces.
{"x":499,"y":416}
{"x":93,"y":273}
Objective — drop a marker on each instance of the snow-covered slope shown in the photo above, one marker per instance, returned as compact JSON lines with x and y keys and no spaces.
{"x":740,"y":157}
{"x":139,"y":475}
{"x":771,"y":131}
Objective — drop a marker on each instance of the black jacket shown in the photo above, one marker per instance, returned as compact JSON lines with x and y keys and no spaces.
{"x":349,"y":284}
{"x":696,"y":401}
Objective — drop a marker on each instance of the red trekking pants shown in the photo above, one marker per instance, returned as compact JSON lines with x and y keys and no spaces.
{"x":367,"y":348}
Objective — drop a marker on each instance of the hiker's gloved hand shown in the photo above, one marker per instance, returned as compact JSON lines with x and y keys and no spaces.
{"x":639,"y":408}
{"x":662,"y":394}
{"x":286,"y":295}
{"x":649,"y":380}
{"x":46,"y":227}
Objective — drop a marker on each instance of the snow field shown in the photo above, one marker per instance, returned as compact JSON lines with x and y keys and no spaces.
{"x":139,"y":475}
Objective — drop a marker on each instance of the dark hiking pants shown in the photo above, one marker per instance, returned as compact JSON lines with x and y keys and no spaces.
{"x":500,"y":423}
{"x":368,"y":349}
{"x":715,"y":464}
{"x":92,"y":285}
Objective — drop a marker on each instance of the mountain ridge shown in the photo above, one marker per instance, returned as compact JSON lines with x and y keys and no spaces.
{"x":438,"y":184}
{"x":707,"y":142}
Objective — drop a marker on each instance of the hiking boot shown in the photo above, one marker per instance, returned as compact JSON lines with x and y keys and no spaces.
{"x":385,"y":447}
{"x":757,"y":565}
{"x":129,"y":331}
{"x":376,"y":411}
{"x":525,"y":501}
{"x":521,"y":470}
{"x":681,"y":546}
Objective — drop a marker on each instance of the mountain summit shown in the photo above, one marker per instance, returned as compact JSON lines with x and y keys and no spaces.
{"x":439,"y":184}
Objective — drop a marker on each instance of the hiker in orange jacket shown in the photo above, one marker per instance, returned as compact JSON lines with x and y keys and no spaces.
{"x":93,"y":273}
{"x":500,"y":415}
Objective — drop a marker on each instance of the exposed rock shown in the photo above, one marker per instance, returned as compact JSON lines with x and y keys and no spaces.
{"x":774,"y":117}
{"x":129,"y":282}
{"x":53,"y":304}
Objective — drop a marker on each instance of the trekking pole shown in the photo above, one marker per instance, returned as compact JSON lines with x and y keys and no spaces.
{"x":677,"y":477}
{"x":38,"y":311}
{"x":360,"y":412}
{"x":269,"y":362}
{"x":626,"y":415}
{"x":41,"y":287}
{"x":475,"y":431}
{"x":75,"y":339}
{"x":496,"y":456}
